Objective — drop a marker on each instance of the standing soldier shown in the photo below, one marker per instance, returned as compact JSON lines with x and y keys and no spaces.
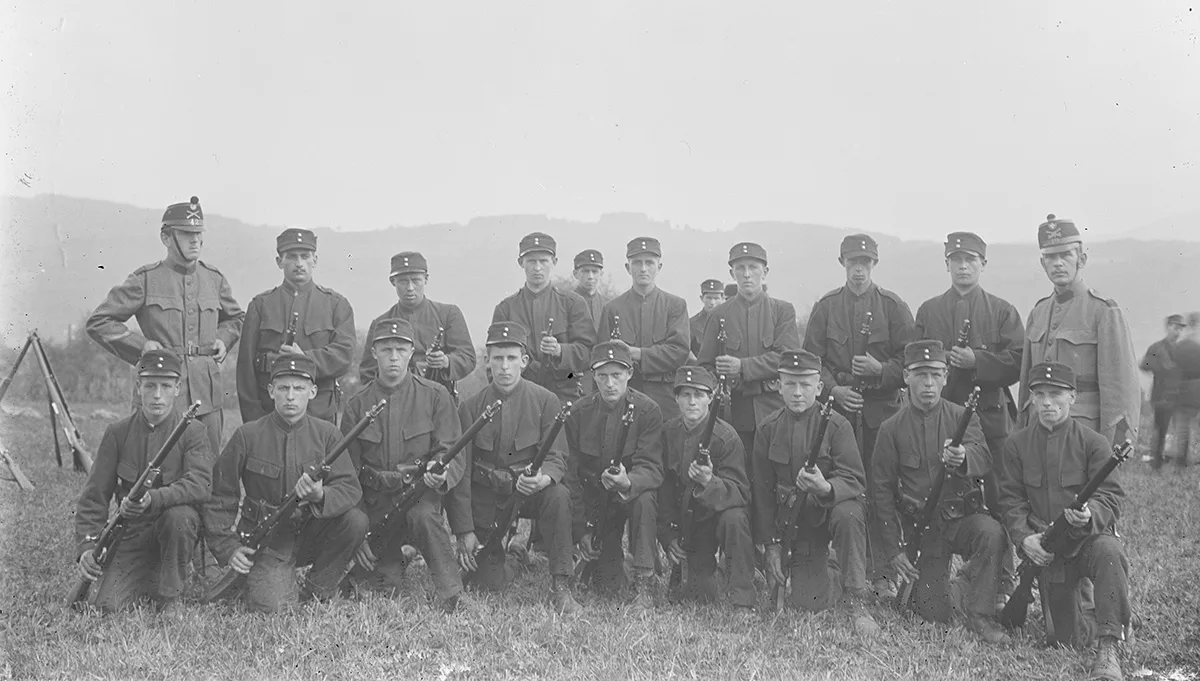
{"x":561,"y":332}
{"x":710,"y":297}
{"x":1078,"y":327}
{"x":1187,"y":353}
{"x":409,"y":273}
{"x":628,"y":495}
{"x":731,"y":290}
{"x":589,"y":266}
{"x":417,"y":425}
{"x":1164,"y":393}
{"x":181,"y":304}
{"x":318,"y":322}
{"x":756,"y":329}
{"x":651,"y":323}
{"x":863,"y":371}
{"x":497,"y":459}
{"x":153,"y":555}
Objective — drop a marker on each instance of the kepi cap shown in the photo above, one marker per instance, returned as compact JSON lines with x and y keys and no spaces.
{"x":590,"y":257}
{"x":965,"y":241}
{"x":799,"y":363}
{"x":747,"y":249}
{"x":161,"y":362}
{"x":401,"y":329}
{"x":408,"y":262}
{"x":295,"y":239}
{"x":186,"y":217}
{"x":1057,"y":235}
{"x":1176,"y":320}
{"x":711,"y":286}
{"x":610,"y":352}
{"x":694,"y":377}
{"x":859,"y":245}
{"x":643,"y":244}
{"x":538,"y":241}
{"x":291,"y":364}
{"x":507,"y":333}
{"x":1052,"y":373}
{"x":731,"y":290}
{"x":924,"y":353}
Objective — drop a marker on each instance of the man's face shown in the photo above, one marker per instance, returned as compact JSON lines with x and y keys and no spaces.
{"x":965,"y":268}
{"x":537,"y":266}
{"x":925,"y":385}
{"x":1174,"y":331}
{"x":858,"y":269}
{"x":643,"y":269}
{"x":693,"y":403}
{"x":410,"y":288}
{"x":749,"y":273}
{"x":506,"y":362}
{"x":612,"y":380}
{"x":392,"y":356}
{"x":1053,"y":404}
{"x":297,"y":265}
{"x":588,"y":278}
{"x":711,"y":300}
{"x":799,"y":392}
{"x":1063,"y":268}
{"x":291,"y":395}
{"x":184,"y":245}
{"x":158,"y":395}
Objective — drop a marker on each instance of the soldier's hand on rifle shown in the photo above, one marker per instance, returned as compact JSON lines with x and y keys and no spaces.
{"x":700,"y":474}
{"x":290,"y":349}
{"x":312,"y":491}
{"x":135,"y":509}
{"x":585,"y":548}
{"x":220,"y":350}
{"x":962,"y":358}
{"x":811,"y":480}
{"x":1078,"y":518}
{"x":729,"y":365}
{"x":619,"y":482}
{"x":151,"y":345}
{"x":774,"y":560}
{"x":531,"y":485}
{"x":435,"y":481}
{"x":364,"y":556}
{"x":675,"y":552}
{"x":437,"y":360}
{"x":240,"y":560}
{"x":550,"y":346}
{"x":1034,"y":551}
{"x":468,"y":546}
{"x":847,"y":397}
{"x":904,"y":567}
{"x":866,"y":365}
{"x":88,"y":567}
{"x":953,"y":457}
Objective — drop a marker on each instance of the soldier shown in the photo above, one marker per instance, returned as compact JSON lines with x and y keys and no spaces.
{"x":651,"y":323}
{"x":710,"y":297}
{"x":731,"y":291}
{"x":1046,"y":465}
{"x":558,"y":358}
{"x":1078,"y":327}
{"x":1164,"y":393}
{"x":324,"y":331}
{"x":912,"y":450}
{"x":718,"y":493}
{"x":589,"y":266}
{"x":409,"y":274}
{"x":181,"y":304}
{"x":757,"y":328}
{"x":160,"y":533}
{"x":830,"y":497}
{"x":271,"y":458}
{"x":497,"y":458}
{"x":417,"y":424}
{"x":1187,"y":352}
{"x":593,"y":430}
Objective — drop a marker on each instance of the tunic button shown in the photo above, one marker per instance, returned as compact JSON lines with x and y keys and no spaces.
{"x":191,"y":310}
{"x":191,"y":327}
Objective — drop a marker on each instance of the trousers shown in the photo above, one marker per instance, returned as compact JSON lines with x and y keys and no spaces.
{"x":423,"y":528}
{"x":641,"y":516}
{"x":980,"y":540}
{"x":327,"y":544}
{"x":151,"y":560}
{"x":729,"y":532}
{"x":816,"y":584}
{"x":1102,"y":559}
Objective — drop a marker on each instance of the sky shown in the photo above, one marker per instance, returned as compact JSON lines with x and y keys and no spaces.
{"x":912,"y":119}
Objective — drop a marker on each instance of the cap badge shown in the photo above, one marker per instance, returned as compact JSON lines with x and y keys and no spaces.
{"x":864,"y":244}
{"x":535,"y":241}
{"x":745,"y":248}
{"x":1055,"y":232}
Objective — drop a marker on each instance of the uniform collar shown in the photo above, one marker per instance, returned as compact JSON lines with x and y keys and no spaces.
{"x":384,"y":390}
{"x":291,"y":288}
{"x":802,"y":415}
{"x":525,"y":290}
{"x":585,"y":295}
{"x":168,"y":422}
{"x":1076,"y":287}
{"x":284,"y":425}
{"x":871,"y":288}
{"x":1056,"y":428}
{"x":619,"y":406}
{"x":181,"y":268}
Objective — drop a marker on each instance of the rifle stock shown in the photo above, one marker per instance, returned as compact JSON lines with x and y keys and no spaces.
{"x":441,"y":376}
{"x":289,"y":336}
{"x":958,"y":381}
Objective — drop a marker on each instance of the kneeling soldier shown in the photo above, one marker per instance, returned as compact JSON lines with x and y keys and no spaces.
{"x":151,"y":559}
{"x":498,"y":457}
{"x":605,"y":498}
{"x":830,"y":497}
{"x":417,"y":424}
{"x":271,"y":457}
{"x":910,"y":452}
{"x":1046,"y":464}
{"x":714,"y":489}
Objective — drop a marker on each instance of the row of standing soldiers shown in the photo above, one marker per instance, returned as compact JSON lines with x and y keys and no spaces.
{"x":878,"y":448}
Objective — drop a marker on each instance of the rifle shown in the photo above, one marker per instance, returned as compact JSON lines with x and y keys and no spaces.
{"x":913,"y":546}
{"x":416,"y":489}
{"x":114,"y":530}
{"x":1053,"y":539}
{"x":441,"y":376}
{"x":861,"y":383}
{"x":791,"y":524}
{"x":687,"y":511}
{"x":958,"y":381}
{"x":507,"y":516}
{"x":546,"y":378}
{"x":262,"y":533}
{"x":602,"y":521}
{"x":726,"y":395}
{"x":289,"y":336}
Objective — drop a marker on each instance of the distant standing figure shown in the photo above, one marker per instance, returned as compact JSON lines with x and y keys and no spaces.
{"x":1187,"y":355}
{"x":710,"y":297}
{"x":1164,"y":394}
{"x":589,"y":267}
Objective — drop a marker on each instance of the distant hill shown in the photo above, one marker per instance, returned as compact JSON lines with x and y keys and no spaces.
{"x":63,"y":254}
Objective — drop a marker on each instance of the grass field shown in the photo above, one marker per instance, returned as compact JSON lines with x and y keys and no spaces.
{"x":515,"y":636}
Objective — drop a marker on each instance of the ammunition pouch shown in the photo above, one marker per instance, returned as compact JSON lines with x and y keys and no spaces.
{"x":968,"y":504}
{"x":390,"y":481}
{"x":910,"y":507}
{"x":501,"y":480}
{"x":124,"y":487}
{"x":256,"y":511}
{"x":262,"y":361}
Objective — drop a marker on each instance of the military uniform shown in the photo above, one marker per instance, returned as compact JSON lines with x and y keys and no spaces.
{"x":267,"y":457}
{"x":781,"y":447}
{"x":573,"y":328}
{"x":595,"y":301}
{"x":324,"y":331}
{"x":907,"y":461}
{"x":721,"y":508}
{"x":1164,"y":393}
{"x":697,"y":321}
{"x":155,"y":550}
{"x":593,"y":429}
{"x":1087,"y":332}
{"x":426,"y":319}
{"x":1045,"y":468}
{"x":184,"y":307}
{"x":1187,"y":352}
{"x":658,"y":324}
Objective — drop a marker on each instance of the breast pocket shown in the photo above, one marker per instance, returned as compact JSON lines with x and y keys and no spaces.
{"x":1073,"y":477}
{"x":166,"y":313}
{"x":318,"y":331}
{"x":418,"y":438}
{"x":210,"y":307}
{"x":1077,"y":348}
{"x":1031,"y":474}
{"x":369,"y":441}
{"x":263,"y":469}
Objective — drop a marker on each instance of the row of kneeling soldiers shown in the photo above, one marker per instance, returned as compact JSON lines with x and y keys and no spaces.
{"x":635,"y":389}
